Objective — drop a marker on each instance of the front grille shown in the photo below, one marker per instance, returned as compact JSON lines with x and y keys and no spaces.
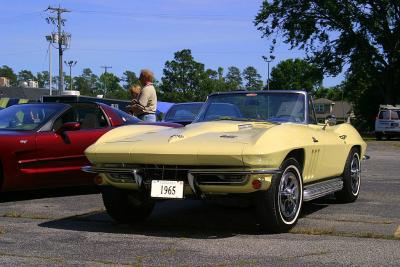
{"x":220,"y":179}
{"x":149,"y":172}
{"x":162,"y":172}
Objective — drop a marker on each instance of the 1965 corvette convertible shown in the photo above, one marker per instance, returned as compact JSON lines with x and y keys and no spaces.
{"x":266,"y":145}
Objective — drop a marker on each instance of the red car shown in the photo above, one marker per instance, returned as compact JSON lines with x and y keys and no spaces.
{"x":42,"y":144}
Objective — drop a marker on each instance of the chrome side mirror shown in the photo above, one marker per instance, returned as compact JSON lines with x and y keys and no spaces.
{"x":330,"y":120}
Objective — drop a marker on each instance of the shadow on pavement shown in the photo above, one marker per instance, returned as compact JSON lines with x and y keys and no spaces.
{"x":189,"y":218}
{"x":317,"y":204}
{"x":46,"y":193}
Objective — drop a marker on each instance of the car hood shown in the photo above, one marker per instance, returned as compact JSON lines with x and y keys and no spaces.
{"x":205,"y":143}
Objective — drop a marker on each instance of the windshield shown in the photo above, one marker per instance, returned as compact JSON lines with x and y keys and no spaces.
{"x":183,"y":112}
{"x":389,"y":114}
{"x":263,"y":106}
{"x":26,"y":117}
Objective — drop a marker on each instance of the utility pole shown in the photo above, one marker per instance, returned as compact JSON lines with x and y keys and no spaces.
{"x":61,"y":38}
{"x":105,"y":71}
{"x":71,"y":64}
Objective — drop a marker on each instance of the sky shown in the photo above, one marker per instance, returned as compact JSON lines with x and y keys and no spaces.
{"x":132,"y":35}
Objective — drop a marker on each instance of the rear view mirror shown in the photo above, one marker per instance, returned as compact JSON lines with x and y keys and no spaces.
{"x":69,"y":126}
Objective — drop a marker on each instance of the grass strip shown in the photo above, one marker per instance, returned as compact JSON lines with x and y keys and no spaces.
{"x":333,"y":232}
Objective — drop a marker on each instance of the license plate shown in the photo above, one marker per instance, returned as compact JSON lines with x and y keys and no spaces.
{"x":166,"y":189}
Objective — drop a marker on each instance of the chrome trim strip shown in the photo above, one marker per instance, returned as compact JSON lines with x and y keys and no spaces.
{"x":93,"y":169}
{"x":218,"y":171}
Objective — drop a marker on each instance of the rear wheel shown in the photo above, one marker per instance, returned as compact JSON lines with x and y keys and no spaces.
{"x":351,"y":178}
{"x":279,"y":207}
{"x":126,"y":206}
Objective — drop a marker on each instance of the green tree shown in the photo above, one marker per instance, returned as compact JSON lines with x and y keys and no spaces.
{"x":358,"y":87}
{"x":252,"y":79}
{"x":363,"y":34}
{"x":212,"y":81}
{"x":6,"y":71}
{"x":111,"y":87}
{"x":233,"y":78}
{"x":295,"y":74}
{"x":87,"y":82}
{"x":129,"y":78}
{"x":67,"y":81}
{"x":183,"y":79}
{"x":43,"y":79}
{"x":25,"y":75}
{"x":335,"y":93}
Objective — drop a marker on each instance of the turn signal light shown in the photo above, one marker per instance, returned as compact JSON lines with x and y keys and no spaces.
{"x":256,"y":184}
{"x":98,"y":180}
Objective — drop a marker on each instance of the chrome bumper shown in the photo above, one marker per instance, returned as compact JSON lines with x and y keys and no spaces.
{"x":191,"y":174}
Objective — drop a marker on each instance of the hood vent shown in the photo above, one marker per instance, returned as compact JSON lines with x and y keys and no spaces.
{"x":175,"y":137}
{"x":228,"y":136}
{"x":245,"y":126}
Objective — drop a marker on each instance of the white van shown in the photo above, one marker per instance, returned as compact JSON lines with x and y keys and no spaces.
{"x":387,"y":123}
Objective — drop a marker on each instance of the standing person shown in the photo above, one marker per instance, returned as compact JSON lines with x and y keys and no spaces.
{"x":146,"y":105}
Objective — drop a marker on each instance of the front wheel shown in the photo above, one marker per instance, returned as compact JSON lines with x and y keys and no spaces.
{"x":279,"y":207}
{"x":351,"y":178}
{"x":126,"y":206}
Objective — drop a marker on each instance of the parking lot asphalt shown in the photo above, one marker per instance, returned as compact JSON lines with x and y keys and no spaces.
{"x":71,"y":228}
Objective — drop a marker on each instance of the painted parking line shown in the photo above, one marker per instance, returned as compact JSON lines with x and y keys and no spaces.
{"x":397,"y":233}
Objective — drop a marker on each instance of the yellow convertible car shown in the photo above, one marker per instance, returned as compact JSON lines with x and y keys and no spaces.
{"x":265,"y":146}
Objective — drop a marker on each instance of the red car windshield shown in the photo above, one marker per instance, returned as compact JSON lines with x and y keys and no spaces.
{"x":27,"y":117}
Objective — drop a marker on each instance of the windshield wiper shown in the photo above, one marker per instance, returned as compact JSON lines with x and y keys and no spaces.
{"x":229,"y":118}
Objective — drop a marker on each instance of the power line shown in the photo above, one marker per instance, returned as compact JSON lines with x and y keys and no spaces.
{"x":23,"y":15}
{"x":133,"y":15}
{"x":164,"y":51}
{"x":22,"y":52}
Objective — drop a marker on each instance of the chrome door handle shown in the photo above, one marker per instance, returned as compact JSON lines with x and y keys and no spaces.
{"x":315,"y":140}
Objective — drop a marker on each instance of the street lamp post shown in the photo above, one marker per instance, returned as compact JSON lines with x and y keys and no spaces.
{"x":49,"y":38}
{"x":71,"y":64}
{"x":268,"y":60}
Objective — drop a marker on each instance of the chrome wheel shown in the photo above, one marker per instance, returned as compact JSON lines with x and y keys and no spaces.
{"x":279,"y":207}
{"x":289,"y":195}
{"x":355,"y":174}
{"x":351,"y":178}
